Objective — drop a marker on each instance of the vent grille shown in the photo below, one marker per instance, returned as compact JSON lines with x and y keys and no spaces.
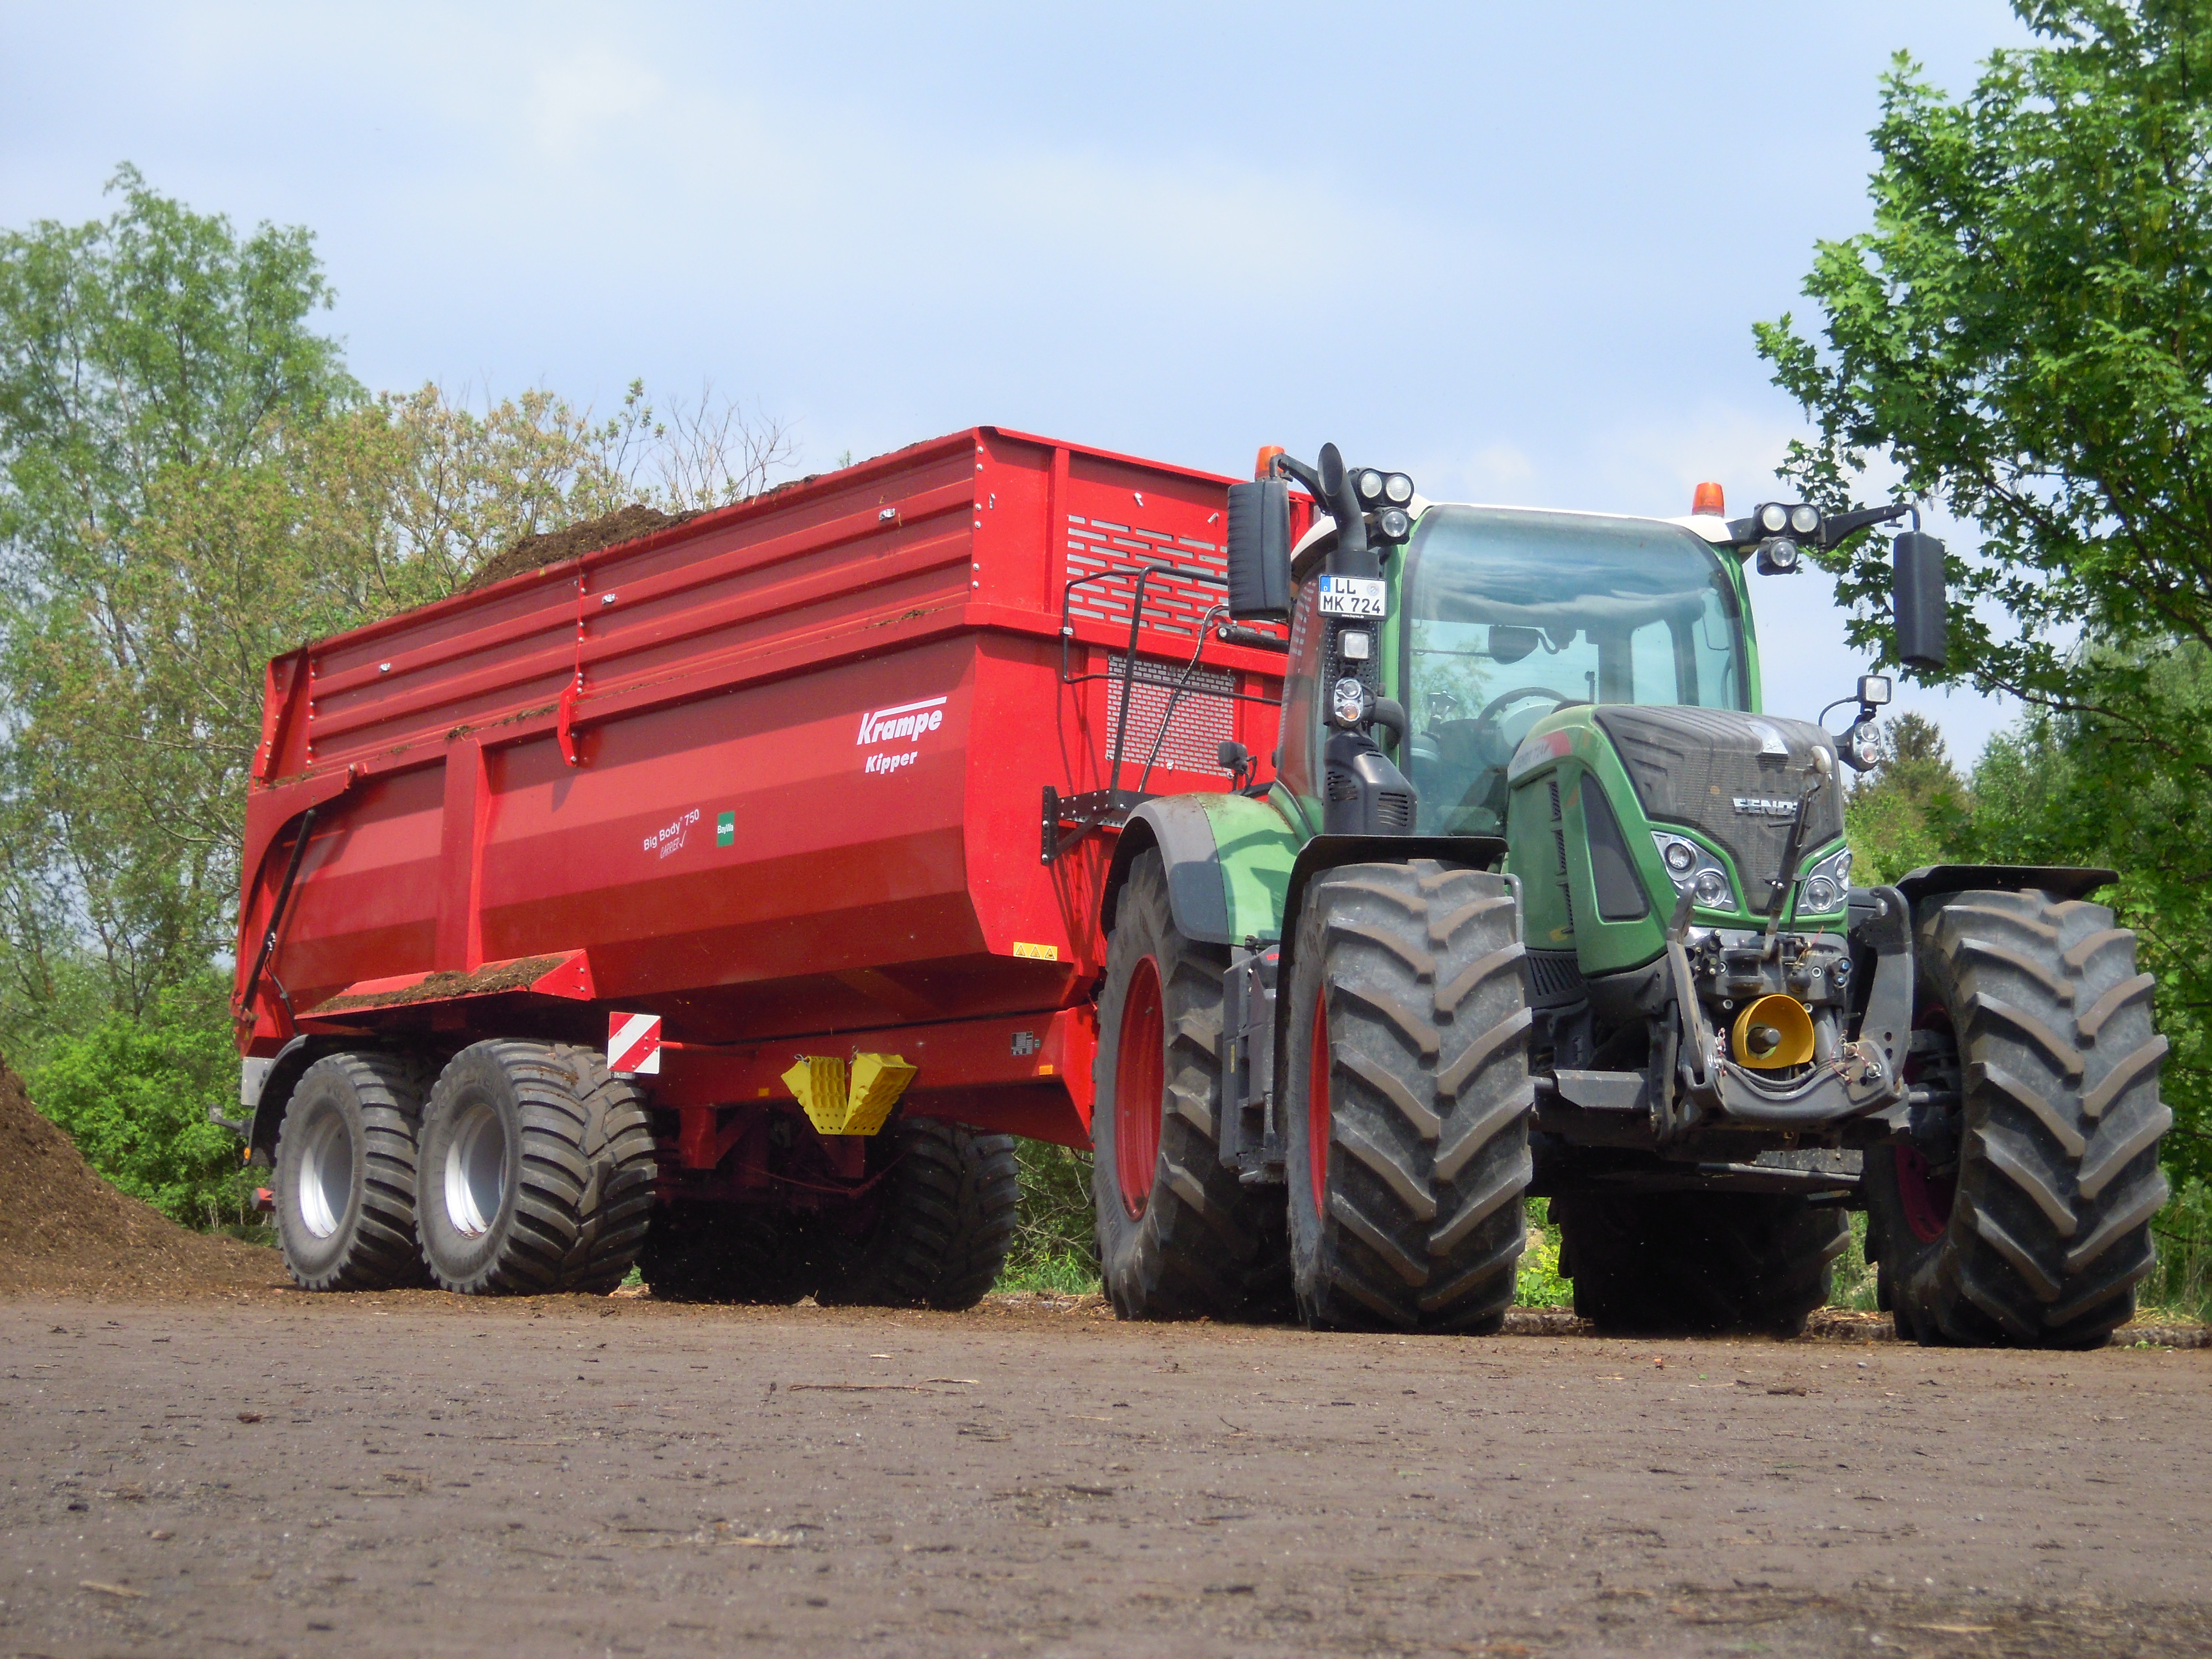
{"x":1559,"y":850}
{"x":1176,"y":601}
{"x":1204,"y":717}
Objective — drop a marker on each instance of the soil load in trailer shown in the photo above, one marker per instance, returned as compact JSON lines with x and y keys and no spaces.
{"x":795,"y":811}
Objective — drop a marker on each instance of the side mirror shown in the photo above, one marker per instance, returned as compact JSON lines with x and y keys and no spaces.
{"x":1918,"y":602}
{"x":1260,"y":551}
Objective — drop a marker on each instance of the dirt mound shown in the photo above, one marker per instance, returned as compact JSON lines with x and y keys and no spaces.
{"x":65,"y":1230}
{"x":624,"y":524}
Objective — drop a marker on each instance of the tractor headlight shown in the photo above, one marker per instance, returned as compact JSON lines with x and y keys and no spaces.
{"x":1772,"y":518}
{"x":1777,"y":556}
{"x":1370,"y":486}
{"x":1695,"y":871}
{"x":1398,"y":488}
{"x":1823,"y":884}
{"x":1394,"y":524}
{"x":1804,"y":521}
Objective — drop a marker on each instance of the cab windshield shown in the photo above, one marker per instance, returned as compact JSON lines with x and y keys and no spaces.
{"x":1512,"y":614}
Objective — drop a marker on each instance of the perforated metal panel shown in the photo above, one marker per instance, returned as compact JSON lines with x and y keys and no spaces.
{"x":1204,"y":716}
{"x":1175,"y":603}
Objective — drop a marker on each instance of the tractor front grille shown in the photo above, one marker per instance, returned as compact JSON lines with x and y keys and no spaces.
{"x":1732,"y":777}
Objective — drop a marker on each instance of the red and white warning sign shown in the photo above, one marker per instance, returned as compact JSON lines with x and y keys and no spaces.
{"x":634,"y":1043}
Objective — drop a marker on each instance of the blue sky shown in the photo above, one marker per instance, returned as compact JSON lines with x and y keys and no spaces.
{"x":1517,"y":251}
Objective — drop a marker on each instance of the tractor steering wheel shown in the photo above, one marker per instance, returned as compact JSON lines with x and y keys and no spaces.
{"x":1505,"y":699}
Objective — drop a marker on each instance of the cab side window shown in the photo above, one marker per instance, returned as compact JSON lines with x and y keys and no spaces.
{"x":1294,"y":752}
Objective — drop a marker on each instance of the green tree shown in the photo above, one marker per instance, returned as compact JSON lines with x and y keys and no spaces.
{"x":1907,"y":810}
{"x":2025,"y":333}
{"x":153,"y":344}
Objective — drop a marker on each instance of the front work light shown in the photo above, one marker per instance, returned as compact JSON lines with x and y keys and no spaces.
{"x":1370,"y":485}
{"x":1398,"y":488}
{"x":1804,"y":521}
{"x":1772,"y":518}
{"x":1392,"y":524}
{"x":1777,"y":556}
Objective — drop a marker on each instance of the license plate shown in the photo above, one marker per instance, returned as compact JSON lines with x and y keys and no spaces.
{"x":1352,"y":596}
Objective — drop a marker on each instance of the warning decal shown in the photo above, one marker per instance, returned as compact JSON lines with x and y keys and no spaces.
{"x":634,"y":1043}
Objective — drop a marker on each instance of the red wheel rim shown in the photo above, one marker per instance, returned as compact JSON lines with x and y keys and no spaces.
{"x":1140,"y":1079}
{"x":1317,"y":1112}
{"x":1925,"y":1200}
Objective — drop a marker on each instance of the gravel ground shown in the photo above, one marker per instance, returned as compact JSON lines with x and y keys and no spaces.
{"x":411,"y":1474}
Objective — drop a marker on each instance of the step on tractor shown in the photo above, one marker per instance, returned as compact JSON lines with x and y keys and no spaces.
{"x":1541,"y":901}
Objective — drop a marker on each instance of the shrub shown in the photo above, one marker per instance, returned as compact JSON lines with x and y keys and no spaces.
{"x":133,"y":1093}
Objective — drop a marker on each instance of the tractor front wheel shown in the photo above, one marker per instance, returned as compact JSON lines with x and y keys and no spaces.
{"x":1408,"y":1098}
{"x":2030,"y":1222}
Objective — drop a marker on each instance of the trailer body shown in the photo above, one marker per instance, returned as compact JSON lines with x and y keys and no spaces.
{"x":776,"y":775}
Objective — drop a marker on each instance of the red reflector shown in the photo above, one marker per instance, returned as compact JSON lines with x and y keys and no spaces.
{"x":264,"y":1201}
{"x":1709,"y":499}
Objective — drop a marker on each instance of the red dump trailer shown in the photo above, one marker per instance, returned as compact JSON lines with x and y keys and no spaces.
{"x":784,"y":778}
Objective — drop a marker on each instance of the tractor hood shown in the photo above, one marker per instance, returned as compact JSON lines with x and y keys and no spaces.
{"x":1735,"y":778}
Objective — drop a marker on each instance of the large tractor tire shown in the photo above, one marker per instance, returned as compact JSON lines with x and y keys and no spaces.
{"x":1697,"y":1262}
{"x":536,"y":1173}
{"x":345,"y":1174}
{"x":696,"y":1251}
{"x":1179,"y":1236}
{"x":2037,"y":1231}
{"x":1408,"y":1098}
{"x":945,"y":1223}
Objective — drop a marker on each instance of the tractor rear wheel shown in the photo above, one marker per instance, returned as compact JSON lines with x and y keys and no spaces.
{"x":345,"y":1174}
{"x":1179,"y":1236}
{"x":536,"y":1173}
{"x":1697,"y":1262}
{"x":940,"y":1234}
{"x":1408,"y":1098}
{"x":2033,"y":1226}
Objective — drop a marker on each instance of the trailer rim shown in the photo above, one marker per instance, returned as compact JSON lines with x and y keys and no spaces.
{"x":1140,"y":1082}
{"x":475,"y":1171}
{"x":326,"y":1173}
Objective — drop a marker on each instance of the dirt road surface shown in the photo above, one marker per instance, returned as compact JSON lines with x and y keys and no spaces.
{"x":409,"y":1475}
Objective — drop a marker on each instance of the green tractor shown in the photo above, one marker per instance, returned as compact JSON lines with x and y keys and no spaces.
{"x":1540,"y":901}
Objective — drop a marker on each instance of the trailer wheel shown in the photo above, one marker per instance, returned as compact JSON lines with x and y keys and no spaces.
{"x":537,"y":1171}
{"x":2036,"y":1227}
{"x":1179,"y":1236}
{"x":1408,"y":1098}
{"x":940,"y":1237}
{"x":1699,"y":1263}
{"x":697,"y":1251}
{"x":345,"y":1174}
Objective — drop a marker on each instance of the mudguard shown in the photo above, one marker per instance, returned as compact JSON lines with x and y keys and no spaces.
{"x":2063,"y":881}
{"x":1228,"y":858}
{"x":1180,"y":827}
{"x":277,"y":1085}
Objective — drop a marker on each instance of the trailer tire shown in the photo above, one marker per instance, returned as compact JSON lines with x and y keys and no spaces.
{"x":537,"y":1171}
{"x":1179,"y":1236}
{"x":940,"y":1233}
{"x":702,"y":1251}
{"x":2043,"y":1232}
{"x":1698,"y":1262}
{"x":345,"y":1174}
{"x":1408,"y":1098}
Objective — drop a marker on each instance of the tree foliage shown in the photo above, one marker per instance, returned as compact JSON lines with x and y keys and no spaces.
{"x":1907,"y":810}
{"x":2025,"y":333}
{"x":191,"y":484}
